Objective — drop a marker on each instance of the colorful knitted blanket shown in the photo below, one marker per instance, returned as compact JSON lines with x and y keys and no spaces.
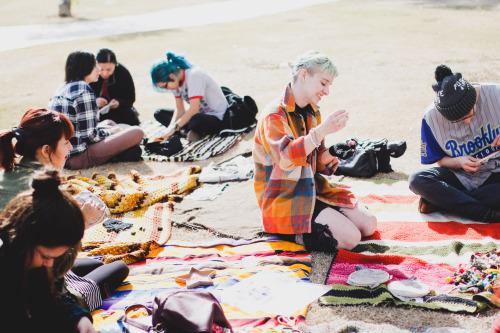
{"x":406,"y":244}
{"x":440,"y":238}
{"x":208,"y":146}
{"x":232,"y":260}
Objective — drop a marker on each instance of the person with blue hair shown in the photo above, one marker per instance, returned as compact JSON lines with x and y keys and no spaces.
{"x":207,"y":102}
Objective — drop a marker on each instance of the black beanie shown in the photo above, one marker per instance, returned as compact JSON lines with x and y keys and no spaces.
{"x":455,"y":96}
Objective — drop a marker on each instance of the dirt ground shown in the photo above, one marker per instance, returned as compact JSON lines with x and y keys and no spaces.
{"x":386,"y":52}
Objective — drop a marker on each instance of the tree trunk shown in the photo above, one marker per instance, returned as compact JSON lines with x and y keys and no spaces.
{"x":65,"y":8}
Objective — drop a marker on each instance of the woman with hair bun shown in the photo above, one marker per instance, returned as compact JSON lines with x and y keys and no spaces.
{"x":297,"y":201}
{"x":36,"y":227}
{"x":42,"y":139}
{"x":93,"y":143}
{"x":207,"y":100}
{"x":115,"y":87}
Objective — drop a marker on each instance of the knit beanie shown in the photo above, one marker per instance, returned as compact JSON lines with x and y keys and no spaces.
{"x":455,"y":96}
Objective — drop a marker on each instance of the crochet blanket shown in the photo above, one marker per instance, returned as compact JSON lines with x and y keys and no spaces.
{"x":208,"y":146}
{"x":145,"y":202}
{"x":151,"y":228}
{"x":233,"y":261}
{"x":138,"y":191}
{"x":408,"y":244}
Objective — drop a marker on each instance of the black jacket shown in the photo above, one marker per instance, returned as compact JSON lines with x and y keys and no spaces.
{"x":32,"y":308}
{"x":120,"y":87}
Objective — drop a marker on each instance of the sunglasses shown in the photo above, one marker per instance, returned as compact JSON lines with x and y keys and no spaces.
{"x":466,"y":117}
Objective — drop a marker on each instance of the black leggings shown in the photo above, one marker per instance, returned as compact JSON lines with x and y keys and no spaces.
{"x":108,"y":277}
{"x":318,"y":208}
{"x":200,"y":123}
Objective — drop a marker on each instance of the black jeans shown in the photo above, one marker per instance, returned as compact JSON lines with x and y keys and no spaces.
{"x":200,"y":123}
{"x":442,"y":188}
{"x":108,"y":277}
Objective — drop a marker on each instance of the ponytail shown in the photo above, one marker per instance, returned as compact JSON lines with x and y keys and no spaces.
{"x":178,"y":60}
{"x":7,"y":152}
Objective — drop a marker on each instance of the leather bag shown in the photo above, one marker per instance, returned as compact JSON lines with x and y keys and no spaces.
{"x":184,"y":311}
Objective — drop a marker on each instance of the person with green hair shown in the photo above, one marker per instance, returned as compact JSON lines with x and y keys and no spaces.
{"x":291,"y":162}
{"x":206,"y":114}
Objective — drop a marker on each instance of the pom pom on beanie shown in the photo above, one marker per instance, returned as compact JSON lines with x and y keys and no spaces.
{"x":454,"y":96}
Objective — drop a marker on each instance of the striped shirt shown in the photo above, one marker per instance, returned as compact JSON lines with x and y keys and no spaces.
{"x":86,"y":287}
{"x":287,"y":181}
{"x":77,"y":101}
{"x":440,"y":137}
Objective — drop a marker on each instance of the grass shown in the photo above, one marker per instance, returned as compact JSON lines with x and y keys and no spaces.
{"x":386,"y":52}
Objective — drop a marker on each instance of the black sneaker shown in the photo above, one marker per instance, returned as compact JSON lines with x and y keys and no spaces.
{"x":320,"y":239}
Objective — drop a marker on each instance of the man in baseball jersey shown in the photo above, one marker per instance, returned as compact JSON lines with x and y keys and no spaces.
{"x":461,"y":134}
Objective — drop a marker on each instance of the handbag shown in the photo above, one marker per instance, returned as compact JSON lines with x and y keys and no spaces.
{"x":184,"y":311}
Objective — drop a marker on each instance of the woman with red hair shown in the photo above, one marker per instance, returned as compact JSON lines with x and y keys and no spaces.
{"x":41,"y":138}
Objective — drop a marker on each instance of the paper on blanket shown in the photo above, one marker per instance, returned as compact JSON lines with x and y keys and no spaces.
{"x":272,"y":292}
{"x":238,"y":168}
{"x":207,"y":192}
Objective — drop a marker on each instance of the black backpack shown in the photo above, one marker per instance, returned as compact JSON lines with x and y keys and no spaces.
{"x":241,"y":112}
{"x":371,"y":157}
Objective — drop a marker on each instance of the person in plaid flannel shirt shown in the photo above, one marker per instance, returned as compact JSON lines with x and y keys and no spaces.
{"x":291,"y":162}
{"x":93,"y":143}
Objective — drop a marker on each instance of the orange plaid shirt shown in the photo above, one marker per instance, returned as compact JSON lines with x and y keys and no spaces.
{"x":287,"y":181}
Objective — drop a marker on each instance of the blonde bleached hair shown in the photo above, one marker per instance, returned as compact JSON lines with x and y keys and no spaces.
{"x":313,"y":62}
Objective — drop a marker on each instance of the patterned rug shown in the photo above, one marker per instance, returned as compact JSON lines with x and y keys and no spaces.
{"x":233,"y":261}
{"x":408,"y":244}
{"x":208,"y":146}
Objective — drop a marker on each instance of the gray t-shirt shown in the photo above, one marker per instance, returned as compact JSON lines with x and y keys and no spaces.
{"x":199,"y":84}
{"x":441,"y":137}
